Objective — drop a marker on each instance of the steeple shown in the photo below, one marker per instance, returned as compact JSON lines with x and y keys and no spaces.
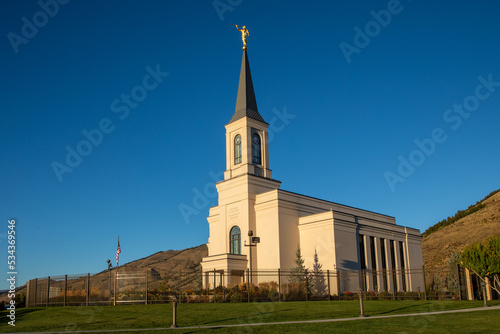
{"x":246,"y":105}
{"x":247,"y":142}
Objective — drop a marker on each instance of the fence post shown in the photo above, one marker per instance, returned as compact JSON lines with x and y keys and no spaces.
{"x":36,"y":287}
{"x":459,"y":285}
{"x":248,"y":284}
{"x":200,"y":288}
{"x":328,"y":283}
{"x":361,"y":309}
{"x":205,"y":280}
{"x":208,"y":285}
{"x":65,"y":288}
{"x":279,"y":284}
{"x":307,"y":287}
{"x":88,"y":289}
{"x":174,"y":314}
{"x":365,"y":278}
{"x":110,"y":289}
{"x":179,"y":286}
{"x":114,"y":287}
{"x":485,"y":294}
{"x":215,"y":285}
{"x":48,"y":292}
{"x":222,"y":286}
{"x":338,"y":283}
{"x":425,"y":284}
{"x":28,"y":292}
{"x":147,"y":287}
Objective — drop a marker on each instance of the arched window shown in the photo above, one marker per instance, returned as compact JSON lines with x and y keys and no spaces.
{"x":235,"y":240}
{"x":256,"y":153}
{"x":237,"y":149}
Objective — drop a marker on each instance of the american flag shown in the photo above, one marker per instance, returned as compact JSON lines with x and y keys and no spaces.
{"x":118,"y":251}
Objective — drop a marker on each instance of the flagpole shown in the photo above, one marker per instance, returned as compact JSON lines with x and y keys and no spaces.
{"x":118,"y":251}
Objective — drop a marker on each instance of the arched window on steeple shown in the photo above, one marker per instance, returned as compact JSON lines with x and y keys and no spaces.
{"x":237,"y":149}
{"x":256,"y":151}
{"x":235,"y":240}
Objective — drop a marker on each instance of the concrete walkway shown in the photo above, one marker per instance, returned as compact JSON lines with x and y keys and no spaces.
{"x":476,"y":309}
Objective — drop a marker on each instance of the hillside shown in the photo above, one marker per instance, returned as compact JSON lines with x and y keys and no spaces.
{"x":162,"y":265}
{"x":438,"y":246}
{"x":171,"y":260}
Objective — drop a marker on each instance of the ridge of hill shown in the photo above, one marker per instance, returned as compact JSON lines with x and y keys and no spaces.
{"x":481,"y":222}
{"x":184,"y":259}
{"x":460,"y":214}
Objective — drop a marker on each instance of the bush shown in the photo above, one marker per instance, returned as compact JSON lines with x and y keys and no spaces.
{"x":294,"y":291}
{"x":268,"y":291}
{"x":348,"y":295}
{"x":371,"y":295}
{"x":236,"y":297}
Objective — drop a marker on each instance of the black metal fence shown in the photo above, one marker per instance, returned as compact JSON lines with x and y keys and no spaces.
{"x":110,"y":287}
{"x":149,"y":286}
{"x":279,"y":285}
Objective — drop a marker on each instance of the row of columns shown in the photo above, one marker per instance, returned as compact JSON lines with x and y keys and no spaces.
{"x":398,"y":272}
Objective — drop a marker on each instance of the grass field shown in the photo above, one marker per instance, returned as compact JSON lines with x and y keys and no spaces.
{"x":160,"y":316}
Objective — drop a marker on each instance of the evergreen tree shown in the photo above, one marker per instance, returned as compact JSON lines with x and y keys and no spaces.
{"x":298,"y":272}
{"x":319,"y":285}
{"x":301,"y":275}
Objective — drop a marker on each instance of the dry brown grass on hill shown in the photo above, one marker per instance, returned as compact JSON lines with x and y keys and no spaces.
{"x":478,"y":226}
{"x":170,"y":260}
{"x":185,"y":260}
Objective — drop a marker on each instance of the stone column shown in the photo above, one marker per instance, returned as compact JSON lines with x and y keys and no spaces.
{"x":368,"y":262}
{"x":399,"y":273}
{"x":470,"y":292}
{"x":488,"y":289}
{"x":409,"y":285}
{"x":388,"y":262}
{"x":378,"y":258}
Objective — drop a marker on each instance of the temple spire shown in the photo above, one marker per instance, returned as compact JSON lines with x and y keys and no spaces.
{"x":246,"y":105}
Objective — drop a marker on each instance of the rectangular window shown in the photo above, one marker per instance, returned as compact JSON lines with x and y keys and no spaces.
{"x":374,"y":263}
{"x":384,"y":262}
{"x":402,"y":257}
{"x":237,"y":149}
{"x":256,"y":149}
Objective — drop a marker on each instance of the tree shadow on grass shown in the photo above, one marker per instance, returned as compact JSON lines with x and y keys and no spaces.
{"x":404,"y":308}
{"x":243,"y":319}
{"x":20,"y":312}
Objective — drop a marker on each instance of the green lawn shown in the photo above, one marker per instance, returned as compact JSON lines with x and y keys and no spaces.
{"x":160,"y":316}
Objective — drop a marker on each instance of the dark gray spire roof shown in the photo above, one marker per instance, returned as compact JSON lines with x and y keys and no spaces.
{"x":246,"y":105}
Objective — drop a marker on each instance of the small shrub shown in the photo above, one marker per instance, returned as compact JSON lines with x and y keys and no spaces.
{"x":371,"y":295}
{"x":348,"y":295}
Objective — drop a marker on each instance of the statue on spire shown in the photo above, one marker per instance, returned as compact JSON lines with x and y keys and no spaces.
{"x":244,"y":34}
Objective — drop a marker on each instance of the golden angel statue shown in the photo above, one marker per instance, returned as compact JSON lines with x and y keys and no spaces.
{"x":244,"y":34}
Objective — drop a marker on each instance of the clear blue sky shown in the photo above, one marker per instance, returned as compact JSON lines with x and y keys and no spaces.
{"x":355,"y":113}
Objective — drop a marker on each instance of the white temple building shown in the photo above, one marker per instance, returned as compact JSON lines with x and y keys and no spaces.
{"x":347,"y":239}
